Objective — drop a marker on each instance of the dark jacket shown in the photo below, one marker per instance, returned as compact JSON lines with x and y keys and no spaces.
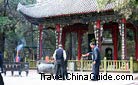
{"x":96,"y":55}
{"x":59,"y":54}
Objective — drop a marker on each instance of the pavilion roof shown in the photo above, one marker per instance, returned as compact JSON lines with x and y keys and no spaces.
{"x":50,"y":8}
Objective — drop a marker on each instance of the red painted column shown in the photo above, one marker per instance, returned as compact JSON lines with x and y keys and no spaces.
{"x":79,"y":44}
{"x":58,"y":32}
{"x":40,"y":40}
{"x":58,"y":38}
{"x":63,"y":38}
{"x":98,"y":37}
{"x":115,"y":41}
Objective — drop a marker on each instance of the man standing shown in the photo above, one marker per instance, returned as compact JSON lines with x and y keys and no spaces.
{"x":59,"y":56}
{"x":1,"y":69}
{"x":96,"y":58}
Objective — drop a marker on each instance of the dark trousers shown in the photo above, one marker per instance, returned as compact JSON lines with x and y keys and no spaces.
{"x":65,"y":69}
{"x":59,"y":70}
{"x":95,"y":71}
{"x":1,"y":80}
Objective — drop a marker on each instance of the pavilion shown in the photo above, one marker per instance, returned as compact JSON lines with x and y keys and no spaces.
{"x":80,"y":16}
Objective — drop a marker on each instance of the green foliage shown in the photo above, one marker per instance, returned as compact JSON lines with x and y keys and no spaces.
{"x":28,"y":1}
{"x":13,"y":25}
{"x":1,"y":1}
{"x":4,"y":20}
{"x":103,"y":3}
{"x":126,"y":8}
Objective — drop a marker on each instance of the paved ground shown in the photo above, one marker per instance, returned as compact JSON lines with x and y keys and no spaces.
{"x":106,"y":79}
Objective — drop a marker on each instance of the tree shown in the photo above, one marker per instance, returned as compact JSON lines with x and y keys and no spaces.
{"x":12,"y":25}
{"x":126,"y":8}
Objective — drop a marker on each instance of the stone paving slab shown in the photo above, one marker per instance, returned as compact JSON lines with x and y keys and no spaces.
{"x":35,"y":79}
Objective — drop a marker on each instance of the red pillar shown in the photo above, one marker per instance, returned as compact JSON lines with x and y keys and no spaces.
{"x":115,"y":41}
{"x":79,"y":44}
{"x":63,"y":39}
{"x":58,"y":31}
{"x":98,"y":26}
{"x":58,"y":38}
{"x":136,"y":44}
{"x":40,"y":40}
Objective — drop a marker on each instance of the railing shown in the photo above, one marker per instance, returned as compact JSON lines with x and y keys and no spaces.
{"x":15,"y":66}
{"x":106,"y":65}
{"x":135,"y":66}
{"x":118,"y":65}
{"x":32,"y":64}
